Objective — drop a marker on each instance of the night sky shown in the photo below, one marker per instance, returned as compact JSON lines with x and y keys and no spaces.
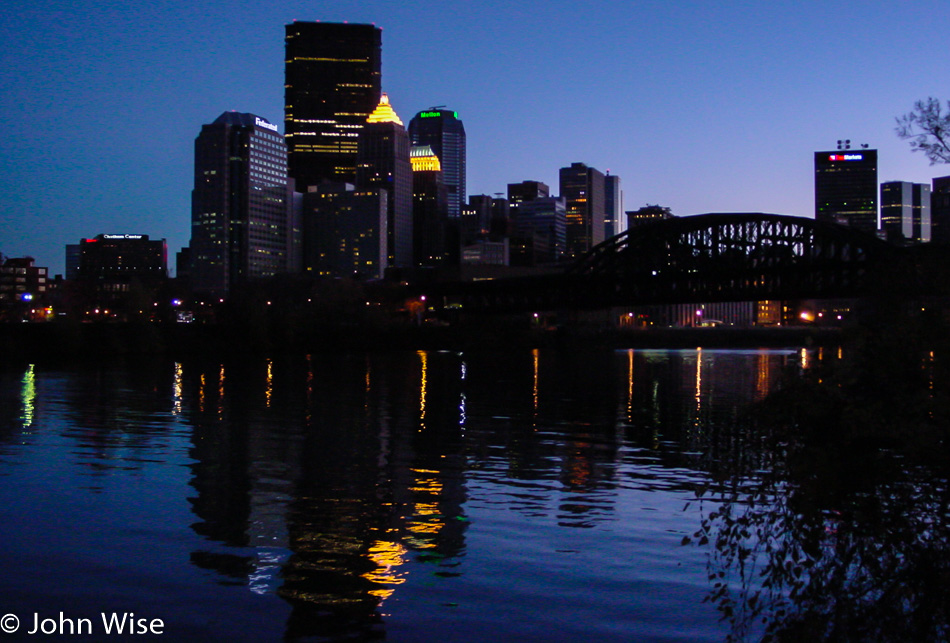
{"x":699,"y":106}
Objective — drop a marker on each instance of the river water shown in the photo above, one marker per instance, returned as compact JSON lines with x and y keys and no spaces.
{"x":413,"y":496}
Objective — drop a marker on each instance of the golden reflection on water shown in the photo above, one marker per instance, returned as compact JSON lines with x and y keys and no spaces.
{"x":177,"y":387}
{"x":424,"y":357}
{"x":762,"y":374}
{"x":389,"y":557}
{"x":630,"y":385}
{"x":535,"y":354}
{"x":426,"y":520}
{"x":269,"y":391}
{"x":221,"y":392}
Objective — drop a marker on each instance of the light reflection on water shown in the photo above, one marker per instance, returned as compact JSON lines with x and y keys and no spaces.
{"x":424,"y":496}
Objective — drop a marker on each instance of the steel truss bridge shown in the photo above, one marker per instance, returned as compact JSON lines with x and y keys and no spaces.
{"x":711,"y":258}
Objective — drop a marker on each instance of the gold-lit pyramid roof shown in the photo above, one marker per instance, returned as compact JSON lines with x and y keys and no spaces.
{"x":383,"y":113}
{"x":423,"y":159}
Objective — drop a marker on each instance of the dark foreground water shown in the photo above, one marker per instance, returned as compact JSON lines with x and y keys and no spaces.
{"x":431,"y":496}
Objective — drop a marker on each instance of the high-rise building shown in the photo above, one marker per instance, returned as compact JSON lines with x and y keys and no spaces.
{"x":244,"y":224}
{"x":526,"y":191}
{"x":443,"y":131}
{"x":332,"y":84}
{"x":429,"y":208}
{"x":583,"y":190}
{"x":476,"y":217}
{"x":539,"y":232}
{"x":614,"y":220}
{"x":383,"y":164}
{"x":646,"y":214}
{"x":905,"y":211}
{"x":940,"y":210}
{"x":345,"y":231}
{"x":846,"y":188}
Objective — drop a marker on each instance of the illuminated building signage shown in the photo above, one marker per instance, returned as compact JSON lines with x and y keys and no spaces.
{"x":260,"y":122}
{"x":846,"y":157}
{"x":122,"y":236}
{"x":435,"y":114}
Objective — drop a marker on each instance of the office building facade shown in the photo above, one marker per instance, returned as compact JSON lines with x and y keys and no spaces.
{"x":905,"y":212}
{"x":539,"y":232}
{"x":647,"y":214}
{"x":345,"y":231}
{"x":614,"y":219}
{"x":383,"y":164}
{"x":429,"y":208}
{"x":583,"y":190}
{"x":526,"y":191}
{"x":940,"y":210}
{"x":244,"y":223}
{"x":332,"y":84}
{"x":846,"y":188}
{"x":444,"y":132}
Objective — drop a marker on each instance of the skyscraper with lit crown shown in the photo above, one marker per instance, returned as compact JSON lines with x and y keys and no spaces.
{"x":443,"y":131}
{"x":383,"y":164}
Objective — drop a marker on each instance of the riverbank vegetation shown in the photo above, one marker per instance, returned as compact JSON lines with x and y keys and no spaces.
{"x":838,"y":527}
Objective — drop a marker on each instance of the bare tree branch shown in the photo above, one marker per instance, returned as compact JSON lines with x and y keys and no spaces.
{"x":928,"y":130}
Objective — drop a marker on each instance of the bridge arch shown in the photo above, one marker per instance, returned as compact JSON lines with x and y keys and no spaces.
{"x":728,"y":257}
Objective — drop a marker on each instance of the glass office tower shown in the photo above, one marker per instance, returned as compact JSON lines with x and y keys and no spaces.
{"x":332,"y":84}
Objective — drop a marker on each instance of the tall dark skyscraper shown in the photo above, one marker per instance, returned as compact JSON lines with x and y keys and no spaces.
{"x":905,"y":211}
{"x":429,"y":208}
{"x":583,"y":189}
{"x":383,"y":164}
{"x":614,"y":219}
{"x":940,"y":210}
{"x":846,"y":188}
{"x":332,"y":84}
{"x":443,"y":131}
{"x":244,"y":224}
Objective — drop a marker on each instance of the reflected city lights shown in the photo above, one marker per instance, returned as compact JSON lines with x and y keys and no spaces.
{"x":388,"y":556}
{"x":699,"y":378}
{"x":424,"y":357}
{"x":534,"y":392}
{"x":630,"y":385}
{"x":269,"y":390}
{"x":177,"y":389}
{"x":28,"y":396}
{"x":221,"y":392}
{"x":762,"y":374}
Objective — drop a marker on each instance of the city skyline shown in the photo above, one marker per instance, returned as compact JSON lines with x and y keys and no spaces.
{"x":697,"y":108}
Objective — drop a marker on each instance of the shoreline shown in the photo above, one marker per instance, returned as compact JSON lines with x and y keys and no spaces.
{"x":79,"y":340}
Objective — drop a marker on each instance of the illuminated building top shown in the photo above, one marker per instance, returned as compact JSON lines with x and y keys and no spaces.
{"x":423,"y":159}
{"x":384,"y":113}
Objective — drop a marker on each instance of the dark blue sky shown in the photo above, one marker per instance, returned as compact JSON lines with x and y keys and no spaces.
{"x":701,"y":106}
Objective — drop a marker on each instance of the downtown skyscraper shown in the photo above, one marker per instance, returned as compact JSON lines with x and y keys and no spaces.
{"x":244,"y":222}
{"x":443,"y":131}
{"x":383,"y":164}
{"x":583,"y":189}
{"x":332,"y":84}
{"x":846,"y":188}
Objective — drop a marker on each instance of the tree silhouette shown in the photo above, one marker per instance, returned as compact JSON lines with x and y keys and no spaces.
{"x":928,"y":130}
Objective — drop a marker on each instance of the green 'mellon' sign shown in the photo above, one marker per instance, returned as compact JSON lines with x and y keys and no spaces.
{"x":435,"y":114}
